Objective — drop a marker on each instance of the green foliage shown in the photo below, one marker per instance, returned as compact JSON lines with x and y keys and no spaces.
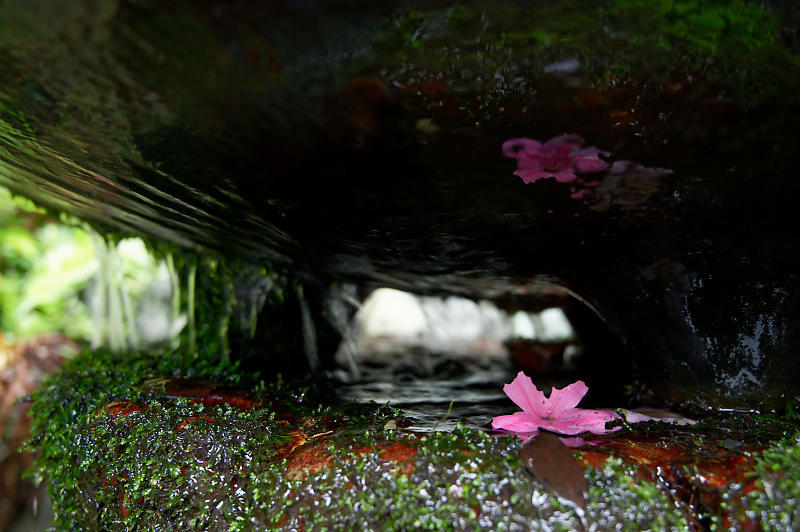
{"x":51,"y":273}
{"x":44,"y":265}
{"x":59,"y":276}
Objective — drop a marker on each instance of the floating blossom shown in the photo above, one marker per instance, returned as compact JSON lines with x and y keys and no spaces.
{"x":556,"y":413}
{"x":560,"y":157}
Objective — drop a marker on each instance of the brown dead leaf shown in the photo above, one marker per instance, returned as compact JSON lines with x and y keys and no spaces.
{"x":552,"y":463}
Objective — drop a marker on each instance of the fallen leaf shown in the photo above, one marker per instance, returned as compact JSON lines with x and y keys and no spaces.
{"x":552,"y":464}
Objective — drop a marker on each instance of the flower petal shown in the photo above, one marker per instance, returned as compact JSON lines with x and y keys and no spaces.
{"x":529,"y":160}
{"x":566,"y":176}
{"x":532,"y":175}
{"x":559,"y":157}
{"x":515,"y":147}
{"x":562,"y":426}
{"x":580,"y":194}
{"x":525,"y":394}
{"x":517,"y":422}
{"x":564,"y":399}
{"x":587,"y":160}
{"x":580,"y":420}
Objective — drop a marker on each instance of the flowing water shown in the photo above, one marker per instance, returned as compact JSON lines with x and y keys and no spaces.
{"x":434,"y":392}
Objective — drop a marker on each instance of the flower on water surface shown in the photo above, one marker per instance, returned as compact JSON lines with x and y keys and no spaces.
{"x":560,"y":157}
{"x":556,"y":413}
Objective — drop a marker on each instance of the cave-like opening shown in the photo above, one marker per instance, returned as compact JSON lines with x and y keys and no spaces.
{"x":441,"y":355}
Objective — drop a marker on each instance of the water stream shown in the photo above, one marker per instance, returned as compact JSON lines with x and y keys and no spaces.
{"x":433,"y":391}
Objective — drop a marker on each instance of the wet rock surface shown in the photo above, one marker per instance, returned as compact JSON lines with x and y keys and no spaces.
{"x":362,"y":143}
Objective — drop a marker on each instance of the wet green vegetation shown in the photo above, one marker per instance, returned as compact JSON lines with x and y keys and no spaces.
{"x":462,"y":480}
{"x":773,"y":499}
{"x":731,"y":46}
{"x":117,"y":454}
{"x":96,"y":448}
{"x":172,"y":465}
{"x":748,"y":428}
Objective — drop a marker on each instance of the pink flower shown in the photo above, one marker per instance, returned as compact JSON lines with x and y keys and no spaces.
{"x":560,"y":157}
{"x":556,"y":413}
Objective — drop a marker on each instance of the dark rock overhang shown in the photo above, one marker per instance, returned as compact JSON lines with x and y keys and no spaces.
{"x":363,"y":143}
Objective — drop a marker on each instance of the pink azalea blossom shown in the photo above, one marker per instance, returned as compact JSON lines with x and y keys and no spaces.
{"x":556,"y":413}
{"x":560,"y":157}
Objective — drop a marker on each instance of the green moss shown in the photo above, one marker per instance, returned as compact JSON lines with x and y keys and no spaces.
{"x":107,"y":440}
{"x":496,"y":54}
{"x":701,"y":26}
{"x":485,"y":57}
{"x":775,"y":502}
{"x":733,"y":44}
{"x":459,"y":480}
{"x":176,"y":465}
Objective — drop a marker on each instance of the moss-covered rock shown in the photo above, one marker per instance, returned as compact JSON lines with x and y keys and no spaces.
{"x":124,"y":442}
